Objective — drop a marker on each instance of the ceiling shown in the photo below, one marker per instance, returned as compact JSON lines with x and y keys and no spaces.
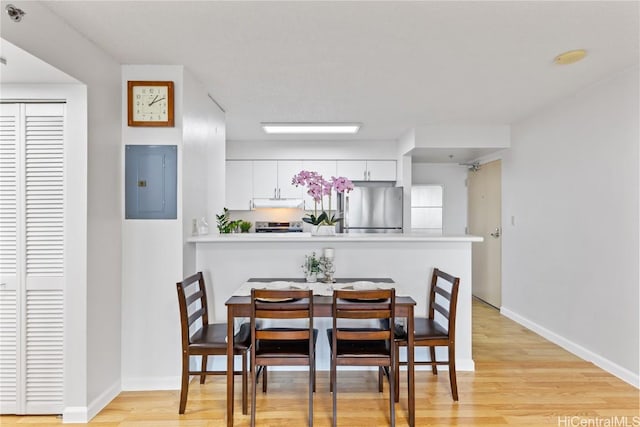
{"x":389,"y":65}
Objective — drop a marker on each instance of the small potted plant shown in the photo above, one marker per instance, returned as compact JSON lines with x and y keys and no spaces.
{"x":311,"y":267}
{"x":245,"y":226}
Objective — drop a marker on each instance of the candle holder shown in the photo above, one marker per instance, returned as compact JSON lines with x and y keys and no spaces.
{"x":327,"y":267}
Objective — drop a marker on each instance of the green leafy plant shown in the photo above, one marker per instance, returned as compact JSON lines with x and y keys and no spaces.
{"x":245,"y":226}
{"x":225,"y":224}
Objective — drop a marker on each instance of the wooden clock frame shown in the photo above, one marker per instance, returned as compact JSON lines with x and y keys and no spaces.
{"x":170,"y":117}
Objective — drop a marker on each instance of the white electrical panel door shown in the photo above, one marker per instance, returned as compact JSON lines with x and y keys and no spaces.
{"x":32,"y":213}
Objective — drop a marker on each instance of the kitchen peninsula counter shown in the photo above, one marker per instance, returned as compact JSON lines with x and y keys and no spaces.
{"x":340,"y":237}
{"x":228,"y":260}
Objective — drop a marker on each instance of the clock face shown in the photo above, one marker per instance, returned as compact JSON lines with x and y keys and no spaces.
{"x":150,"y":103}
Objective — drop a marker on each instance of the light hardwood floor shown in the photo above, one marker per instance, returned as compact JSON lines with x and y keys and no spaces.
{"x":520,"y":379}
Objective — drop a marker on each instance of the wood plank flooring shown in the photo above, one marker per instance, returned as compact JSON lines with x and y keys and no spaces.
{"x":520,"y":379}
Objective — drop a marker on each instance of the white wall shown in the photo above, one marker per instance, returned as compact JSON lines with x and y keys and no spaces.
{"x":203,"y":162}
{"x":312,"y":150}
{"x":462,"y":136}
{"x":152,"y":258}
{"x":155,"y":255}
{"x":93,"y":293}
{"x":570,"y":262}
{"x":452,"y":178}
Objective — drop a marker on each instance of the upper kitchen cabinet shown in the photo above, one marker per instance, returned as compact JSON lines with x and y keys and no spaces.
{"x":326,"y":168}
{"x":239,"y":185}
{"x":272,"y":179}
{"x":367,"y":170}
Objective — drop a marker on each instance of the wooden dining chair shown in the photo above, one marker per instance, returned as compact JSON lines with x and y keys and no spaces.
{"x":438,"y":329}
{"x":282,"y":346}
{"x":201,"y":338}
{"x":362,"y":346}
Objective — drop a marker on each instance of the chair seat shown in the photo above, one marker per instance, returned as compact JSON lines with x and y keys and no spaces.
{"x":213,"y":336}
{"x":425,"y":329}
{"x":284,"y":348}
{"x":355,"y":348}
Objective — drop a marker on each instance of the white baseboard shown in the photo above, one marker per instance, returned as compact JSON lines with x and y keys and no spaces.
{"x":82,"y":415}
{"x":150,"y":383}
{"x":101,"y":402}
{"x":75,"y":415}
{"x":609,"y":366}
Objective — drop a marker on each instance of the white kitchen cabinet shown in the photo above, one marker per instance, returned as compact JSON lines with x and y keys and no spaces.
{"x":381,"y":170}
{"x":286,"y":170}
{"x":367,"y":170}
{"x":326,"y":168}
{"x":239,"y":185}
{"x":272,"y":179}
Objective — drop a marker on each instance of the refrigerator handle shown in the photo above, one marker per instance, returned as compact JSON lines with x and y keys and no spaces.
{"x":345,"y":220}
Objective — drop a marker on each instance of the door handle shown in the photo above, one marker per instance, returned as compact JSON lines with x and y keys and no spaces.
{"x":496,"y":233}
{"x":278,"y":193}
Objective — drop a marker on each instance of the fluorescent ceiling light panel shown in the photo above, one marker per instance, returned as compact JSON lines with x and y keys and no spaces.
{"x":310,"y":128}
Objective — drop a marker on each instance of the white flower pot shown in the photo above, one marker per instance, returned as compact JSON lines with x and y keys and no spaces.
{"x":323,"y":230}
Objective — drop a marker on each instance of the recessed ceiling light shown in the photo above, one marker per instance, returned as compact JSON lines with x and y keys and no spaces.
{"x":317,"y":128}
{"x":570,"y":57}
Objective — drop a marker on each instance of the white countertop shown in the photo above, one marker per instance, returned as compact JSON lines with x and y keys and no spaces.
{"x":307,"y":237}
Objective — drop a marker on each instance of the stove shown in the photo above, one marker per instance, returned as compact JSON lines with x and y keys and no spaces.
{"x":278,"y":227}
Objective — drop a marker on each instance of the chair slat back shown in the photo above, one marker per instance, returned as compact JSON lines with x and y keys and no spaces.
{"x":192,"y":300}
{"x":281,"y":304}
{"x":447,"y":303}
{"x":365,"y":304}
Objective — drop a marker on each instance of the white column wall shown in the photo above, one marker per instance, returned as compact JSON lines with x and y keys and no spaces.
{"x":155,"y":255}
{"x":152,"y":258}
{"x":570,"y":256}
{"x":203,"y":162}
{"x":92,"y":296}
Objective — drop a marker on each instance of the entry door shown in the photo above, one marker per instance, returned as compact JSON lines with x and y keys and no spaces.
{"x":31,"y":258}
{"x":484,"y":217}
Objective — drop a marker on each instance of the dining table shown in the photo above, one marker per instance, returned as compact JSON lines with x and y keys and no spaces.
{"x":239,"y":306}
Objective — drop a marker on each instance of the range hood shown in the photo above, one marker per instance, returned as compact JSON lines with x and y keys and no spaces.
{"x":277,"y":203}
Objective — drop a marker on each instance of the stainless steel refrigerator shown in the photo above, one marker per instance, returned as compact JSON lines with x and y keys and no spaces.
{"x":371,"y":210}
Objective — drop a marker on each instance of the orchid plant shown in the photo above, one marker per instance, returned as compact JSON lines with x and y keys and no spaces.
{"x":317,"y":187}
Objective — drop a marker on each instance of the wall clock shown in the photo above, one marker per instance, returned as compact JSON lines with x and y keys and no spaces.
{"x":150,"y":103}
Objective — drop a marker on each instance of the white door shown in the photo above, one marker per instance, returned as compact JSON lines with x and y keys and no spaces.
{"x":32,"y":258}
{"x":485,"y":207}
{"x":286,"y":171}
{"x":239,"y":184}
{"x":381,"y":170}
{"x":355,"y":170}
{"x":265,"y":179}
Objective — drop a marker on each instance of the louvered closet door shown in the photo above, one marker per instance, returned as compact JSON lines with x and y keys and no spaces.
{"x":39,"y":290}
{"x":10,"y":291}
